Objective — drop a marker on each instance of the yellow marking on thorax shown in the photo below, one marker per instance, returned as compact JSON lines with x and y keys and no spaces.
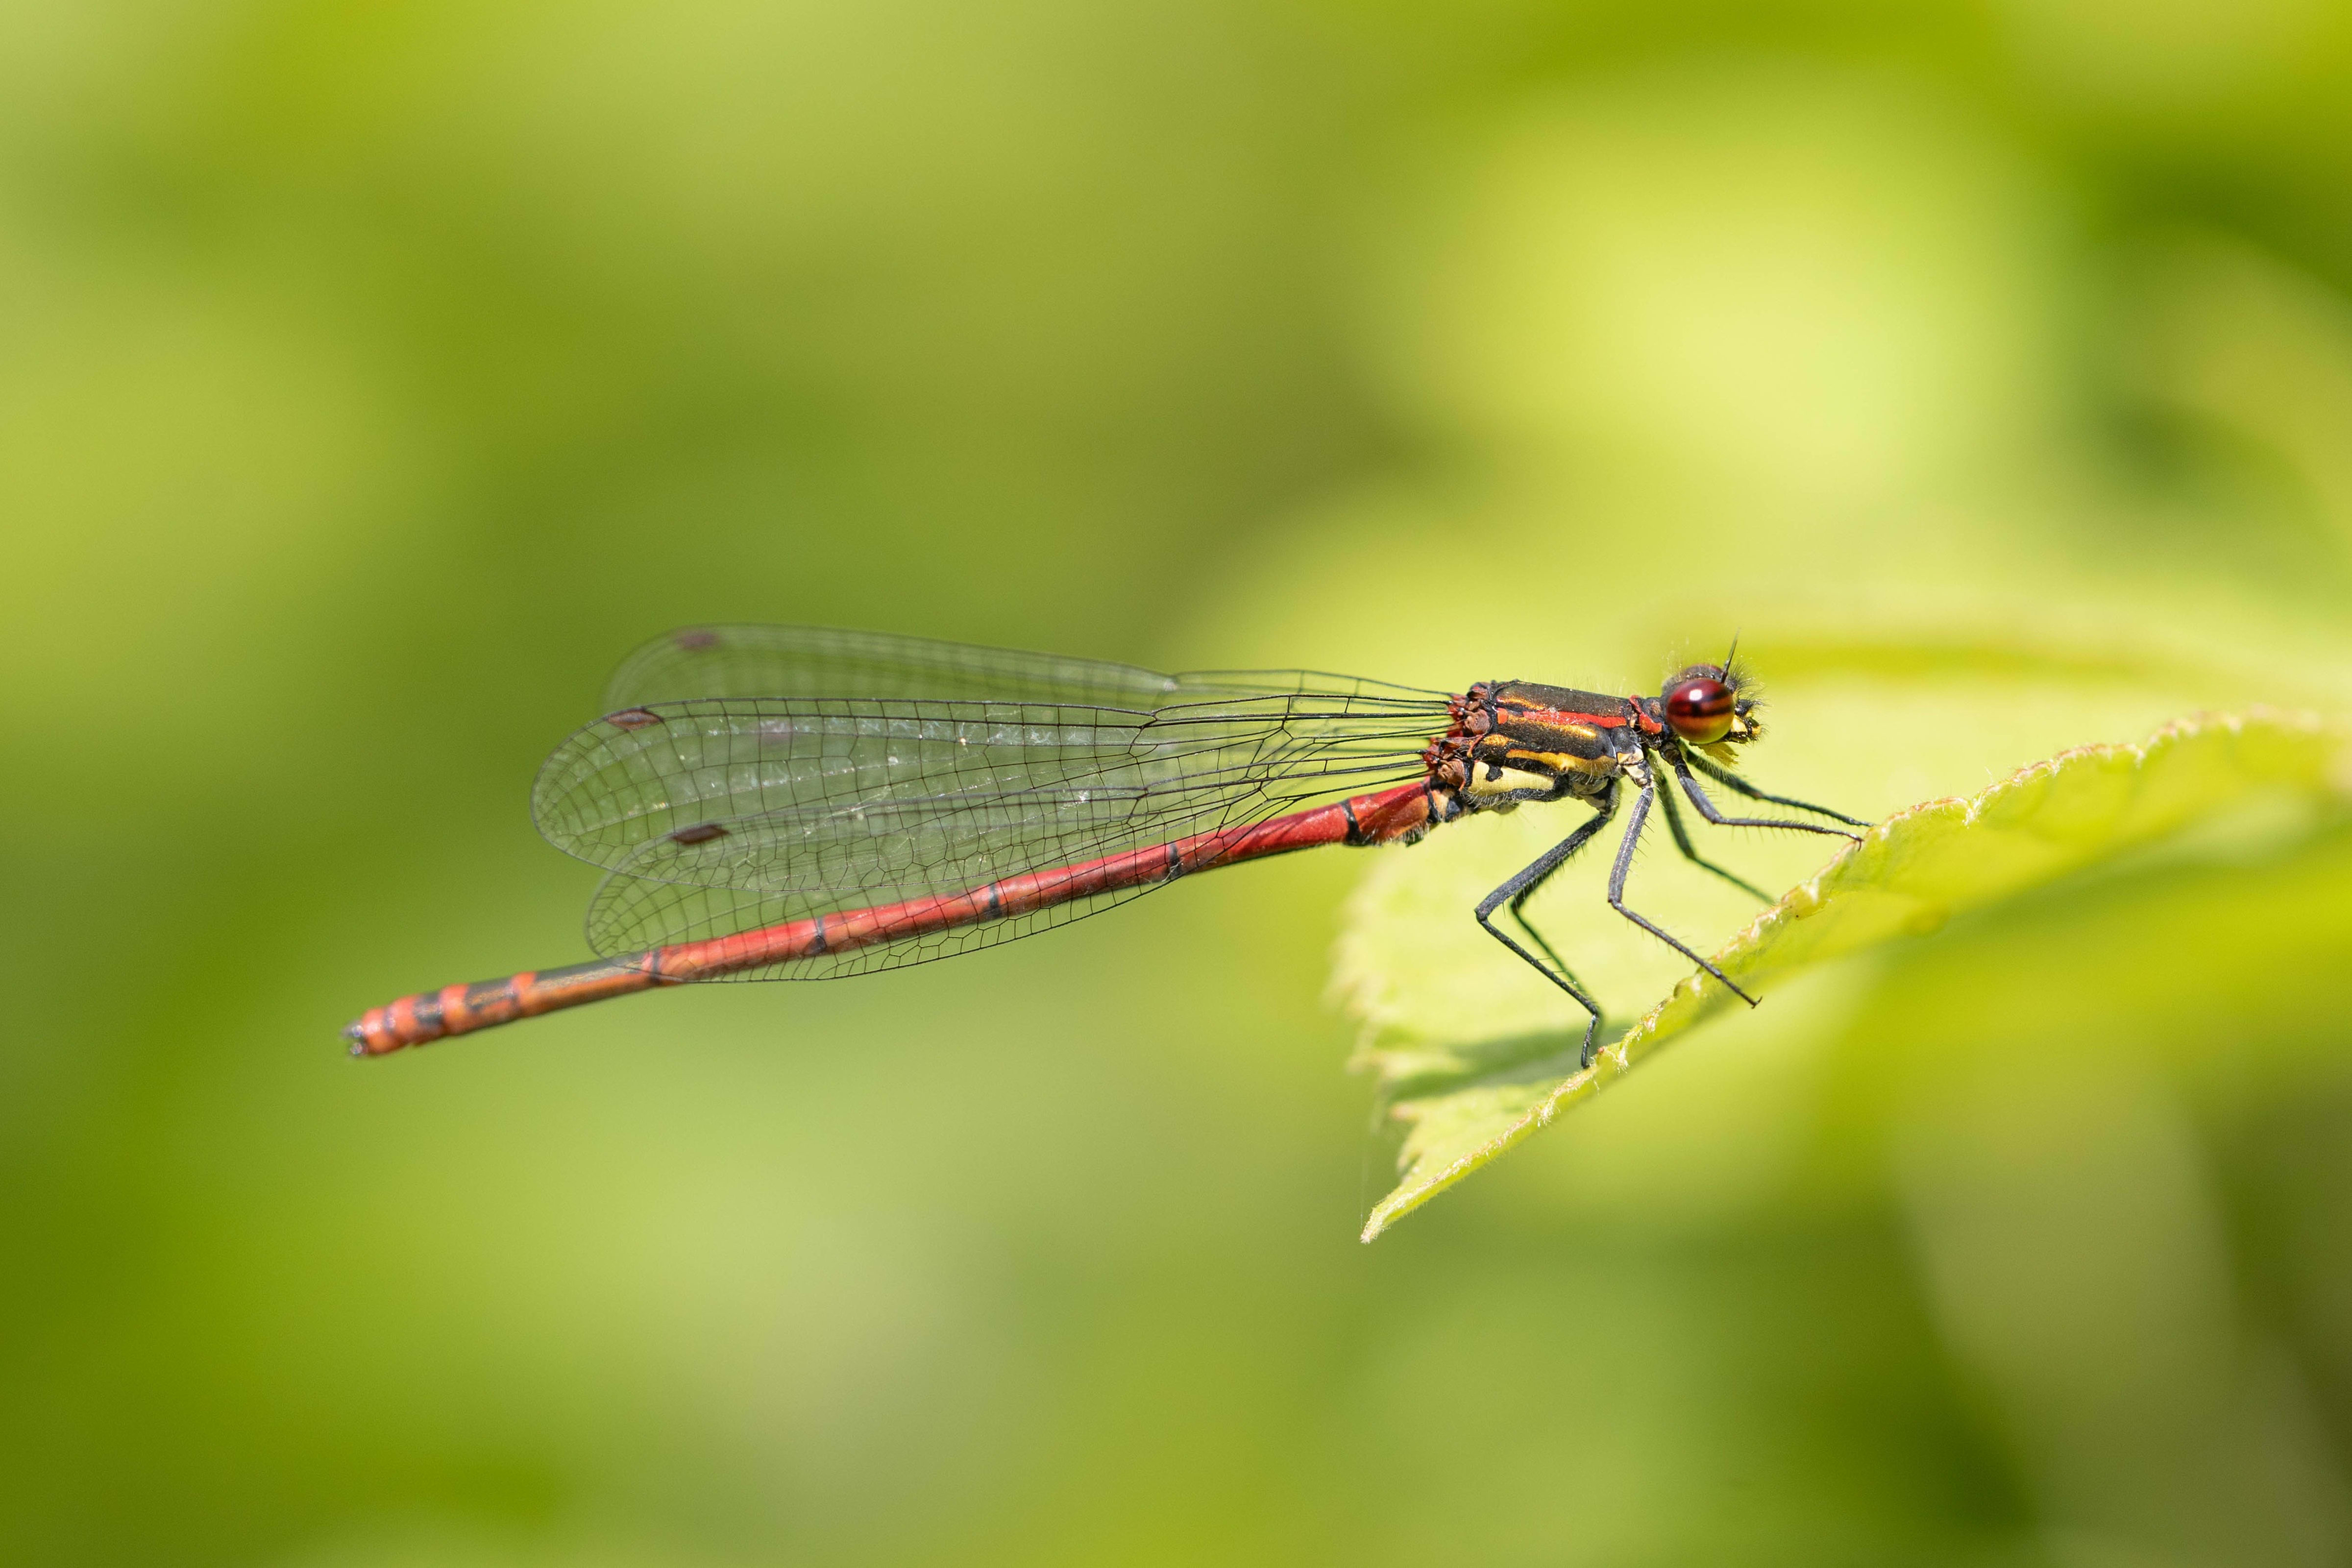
{"x":1564,"y":761}
{"x":1513,"y":778}
{"x":1510,"y":778}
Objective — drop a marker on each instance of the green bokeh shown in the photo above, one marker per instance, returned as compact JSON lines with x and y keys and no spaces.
{"x":373,"y":377}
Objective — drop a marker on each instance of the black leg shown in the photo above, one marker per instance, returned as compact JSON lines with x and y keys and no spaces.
{"x":1519,"y":911}
{"x":1738,"y":786}
{"x":1517,"y":891}
{"x":1617,"y":893}
{"x":1707,"y":806}
{"x":1683,"y":843}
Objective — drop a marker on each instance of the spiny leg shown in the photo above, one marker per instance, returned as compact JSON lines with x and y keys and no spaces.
{"x":1683,"y":843}
{"x":1707,"y":806}
{"x":1519,"y":911}
{"x":1518,"y":904}
{"x":1734,"y":782}
{"x":1525,"y":882}
{"x":1617,"y":893}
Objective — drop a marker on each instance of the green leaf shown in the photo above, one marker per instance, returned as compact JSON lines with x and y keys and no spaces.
{"x":1464,"y":1095}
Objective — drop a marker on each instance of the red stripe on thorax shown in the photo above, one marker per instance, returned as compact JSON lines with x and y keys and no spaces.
{"x":1563,"y":715}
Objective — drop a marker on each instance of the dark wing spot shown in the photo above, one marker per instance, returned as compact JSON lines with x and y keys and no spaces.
{"x":694,"y":640}
{"x":632,"y":718}
{"x":700,"y":833}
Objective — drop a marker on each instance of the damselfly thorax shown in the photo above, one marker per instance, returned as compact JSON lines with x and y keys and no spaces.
{"x":777,"y":803}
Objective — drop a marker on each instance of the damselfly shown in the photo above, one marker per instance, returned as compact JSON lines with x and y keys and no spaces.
{"x":785,"y":802}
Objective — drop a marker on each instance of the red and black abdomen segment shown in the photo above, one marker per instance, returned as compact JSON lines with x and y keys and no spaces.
{"x":1380,"y":818}
{"x":461,"y":1009}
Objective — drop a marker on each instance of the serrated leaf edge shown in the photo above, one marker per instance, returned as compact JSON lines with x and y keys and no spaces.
{"x":1697,"y":997}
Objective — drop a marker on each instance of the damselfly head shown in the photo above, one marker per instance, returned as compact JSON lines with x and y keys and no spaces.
{"x":1701,"y":705}
{"x":1710,"y":706}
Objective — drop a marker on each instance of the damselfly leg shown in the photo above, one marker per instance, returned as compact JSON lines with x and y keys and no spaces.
{"x":1522,"y":887}
{"x":1690,"y":853}
{"x":1624,"y":866}
{"x":1738,"y":786}
{"x":1707,"y":808}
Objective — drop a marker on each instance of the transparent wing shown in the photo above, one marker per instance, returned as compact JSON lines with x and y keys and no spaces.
{"x":720,"y":816}
{"x":755,"y":660}
{"x":819,"y":661}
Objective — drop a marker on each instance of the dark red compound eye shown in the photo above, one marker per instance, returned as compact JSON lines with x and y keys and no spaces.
{"x":1700,"y":710}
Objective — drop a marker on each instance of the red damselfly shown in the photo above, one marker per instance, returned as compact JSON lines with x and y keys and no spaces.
{"x":785,"y":802}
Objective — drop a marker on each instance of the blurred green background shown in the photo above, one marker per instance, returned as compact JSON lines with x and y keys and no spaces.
{"x":373,"y":377}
